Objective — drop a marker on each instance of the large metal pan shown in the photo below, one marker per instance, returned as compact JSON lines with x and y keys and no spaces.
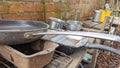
{"x":12,"y":32}
{"x":18,"y":32}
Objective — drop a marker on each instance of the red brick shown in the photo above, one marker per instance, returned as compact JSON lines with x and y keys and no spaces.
{"x":75,"y":1}
{"x":25,"y":16}
{"x":48,"y":0}
{"x":29,"y":6}
{"x":84,"y":1}
{"x":50,"y":7}
{"x":39,"y":7}
{"x":4,"y":7}
{"x":17,"y":16}
{"x":38,"y":16}
{"x":63,"y":1}
{"x":16,"y":7}
{"x":52,"y":14}
{"x":57,"y":7}
{"x":65,"y":7}
{"x":35,"y":0}
{"x":88,"y":1}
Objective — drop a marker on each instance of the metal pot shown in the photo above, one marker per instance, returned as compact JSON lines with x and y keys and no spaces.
{"x":73,"y":25}
{"x":96,"y":16}
{"x":55,"y":23}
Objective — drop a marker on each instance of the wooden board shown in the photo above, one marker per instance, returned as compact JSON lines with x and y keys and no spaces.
{"x":77,"y":57}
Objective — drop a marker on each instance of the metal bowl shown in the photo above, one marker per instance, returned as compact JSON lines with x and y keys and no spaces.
{"x":73,"y":25}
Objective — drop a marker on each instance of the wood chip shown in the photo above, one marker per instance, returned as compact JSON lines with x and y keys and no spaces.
{"x":107,"y":59}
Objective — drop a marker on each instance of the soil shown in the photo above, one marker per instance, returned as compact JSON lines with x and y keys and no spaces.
{"x":107,"y":59}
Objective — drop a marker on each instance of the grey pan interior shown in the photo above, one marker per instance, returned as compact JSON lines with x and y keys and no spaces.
{"x":12,"y":31}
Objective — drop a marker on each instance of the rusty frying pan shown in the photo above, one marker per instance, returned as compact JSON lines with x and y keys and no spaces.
{"x":20,"y":31}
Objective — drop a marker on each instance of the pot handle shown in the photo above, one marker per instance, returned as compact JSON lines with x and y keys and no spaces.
{"x":99,"y":46}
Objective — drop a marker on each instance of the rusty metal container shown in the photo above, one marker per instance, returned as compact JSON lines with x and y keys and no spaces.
{"x":36,"y":60}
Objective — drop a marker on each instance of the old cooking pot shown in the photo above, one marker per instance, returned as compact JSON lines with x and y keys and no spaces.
{"x":73,"y":25}
{"x":20,"y":31}
{"x":56,"y":23}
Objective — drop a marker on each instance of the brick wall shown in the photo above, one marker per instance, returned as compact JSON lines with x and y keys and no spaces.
{"x":68,"y":9}
{"x":42,"y":9}
{"x":22,"y":9}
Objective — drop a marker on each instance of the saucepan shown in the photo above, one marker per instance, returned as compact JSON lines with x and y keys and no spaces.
{"x":55,"y":23}
{"x":14,"y":32}
{"x":73,"y":25}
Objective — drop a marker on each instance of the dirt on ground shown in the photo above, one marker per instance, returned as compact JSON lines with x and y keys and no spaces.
{"x":107,"y":59}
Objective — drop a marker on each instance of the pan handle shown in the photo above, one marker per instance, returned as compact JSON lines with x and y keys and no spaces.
{"x":99,"y":46}
{"x":86,"y":34}
{"x":114,"y":38}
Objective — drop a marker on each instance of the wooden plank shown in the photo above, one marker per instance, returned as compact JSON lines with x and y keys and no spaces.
{"x":77,"y":57}
{"x":95,"y":55}
{"x":90,"y":29}
{"x":96,"y":52}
